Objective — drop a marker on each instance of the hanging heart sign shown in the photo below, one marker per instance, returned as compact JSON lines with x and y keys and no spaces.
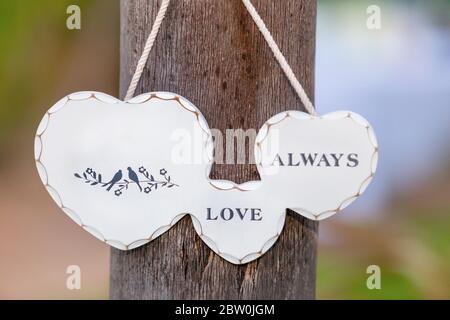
{"x":128,"y":171}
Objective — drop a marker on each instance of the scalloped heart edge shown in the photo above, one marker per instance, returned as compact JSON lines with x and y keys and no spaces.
{"x":218,"y":184}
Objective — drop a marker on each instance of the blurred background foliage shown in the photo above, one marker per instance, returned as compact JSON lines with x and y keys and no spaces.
{"x":397,"y":77}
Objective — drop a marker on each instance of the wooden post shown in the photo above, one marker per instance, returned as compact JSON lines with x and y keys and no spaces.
{"x":210,"y":52}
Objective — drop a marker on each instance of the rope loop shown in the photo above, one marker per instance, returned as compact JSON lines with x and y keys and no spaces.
{"x":261,"y":27}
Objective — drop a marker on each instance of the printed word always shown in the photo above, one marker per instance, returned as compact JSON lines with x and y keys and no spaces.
{"x":316,"y":160}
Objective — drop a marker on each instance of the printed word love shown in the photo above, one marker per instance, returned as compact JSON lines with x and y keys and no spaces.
{"x":227,"y":214}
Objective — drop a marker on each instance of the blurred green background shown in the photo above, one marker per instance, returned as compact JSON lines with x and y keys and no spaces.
{"x":398,"y":77}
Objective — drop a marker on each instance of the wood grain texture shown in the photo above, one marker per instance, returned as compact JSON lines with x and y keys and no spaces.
{"x":211,"y":52}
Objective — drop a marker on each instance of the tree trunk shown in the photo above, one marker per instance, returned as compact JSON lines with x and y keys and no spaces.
{"x":211,"y":52}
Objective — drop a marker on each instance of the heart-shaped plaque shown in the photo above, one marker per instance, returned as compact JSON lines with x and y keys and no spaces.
{"x":128,"y":171}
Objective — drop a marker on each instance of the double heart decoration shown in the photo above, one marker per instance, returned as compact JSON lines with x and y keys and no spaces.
{"x":128,"y":171}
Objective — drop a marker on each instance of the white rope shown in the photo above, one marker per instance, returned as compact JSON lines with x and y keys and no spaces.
{"x":262,"y":28}
{"x":147,"y":49}
{"x":280,"y":58}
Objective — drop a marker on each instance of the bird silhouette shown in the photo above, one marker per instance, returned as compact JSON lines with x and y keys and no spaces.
{"x":133,"y":177}
{"x":117,"y":177}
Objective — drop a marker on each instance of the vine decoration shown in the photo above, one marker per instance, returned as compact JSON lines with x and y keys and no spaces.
{"x":143,"y":180}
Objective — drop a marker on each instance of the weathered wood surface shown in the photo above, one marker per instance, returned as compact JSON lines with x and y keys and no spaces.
{"x":211,"y":52}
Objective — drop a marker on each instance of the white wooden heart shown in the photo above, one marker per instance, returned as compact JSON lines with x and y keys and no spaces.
{"x":128,"y":171}
{"x":108,"y":164}
{"x":320,"y":165}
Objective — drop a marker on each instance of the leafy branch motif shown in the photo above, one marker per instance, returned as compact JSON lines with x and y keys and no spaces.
{"x":145,"y":181}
